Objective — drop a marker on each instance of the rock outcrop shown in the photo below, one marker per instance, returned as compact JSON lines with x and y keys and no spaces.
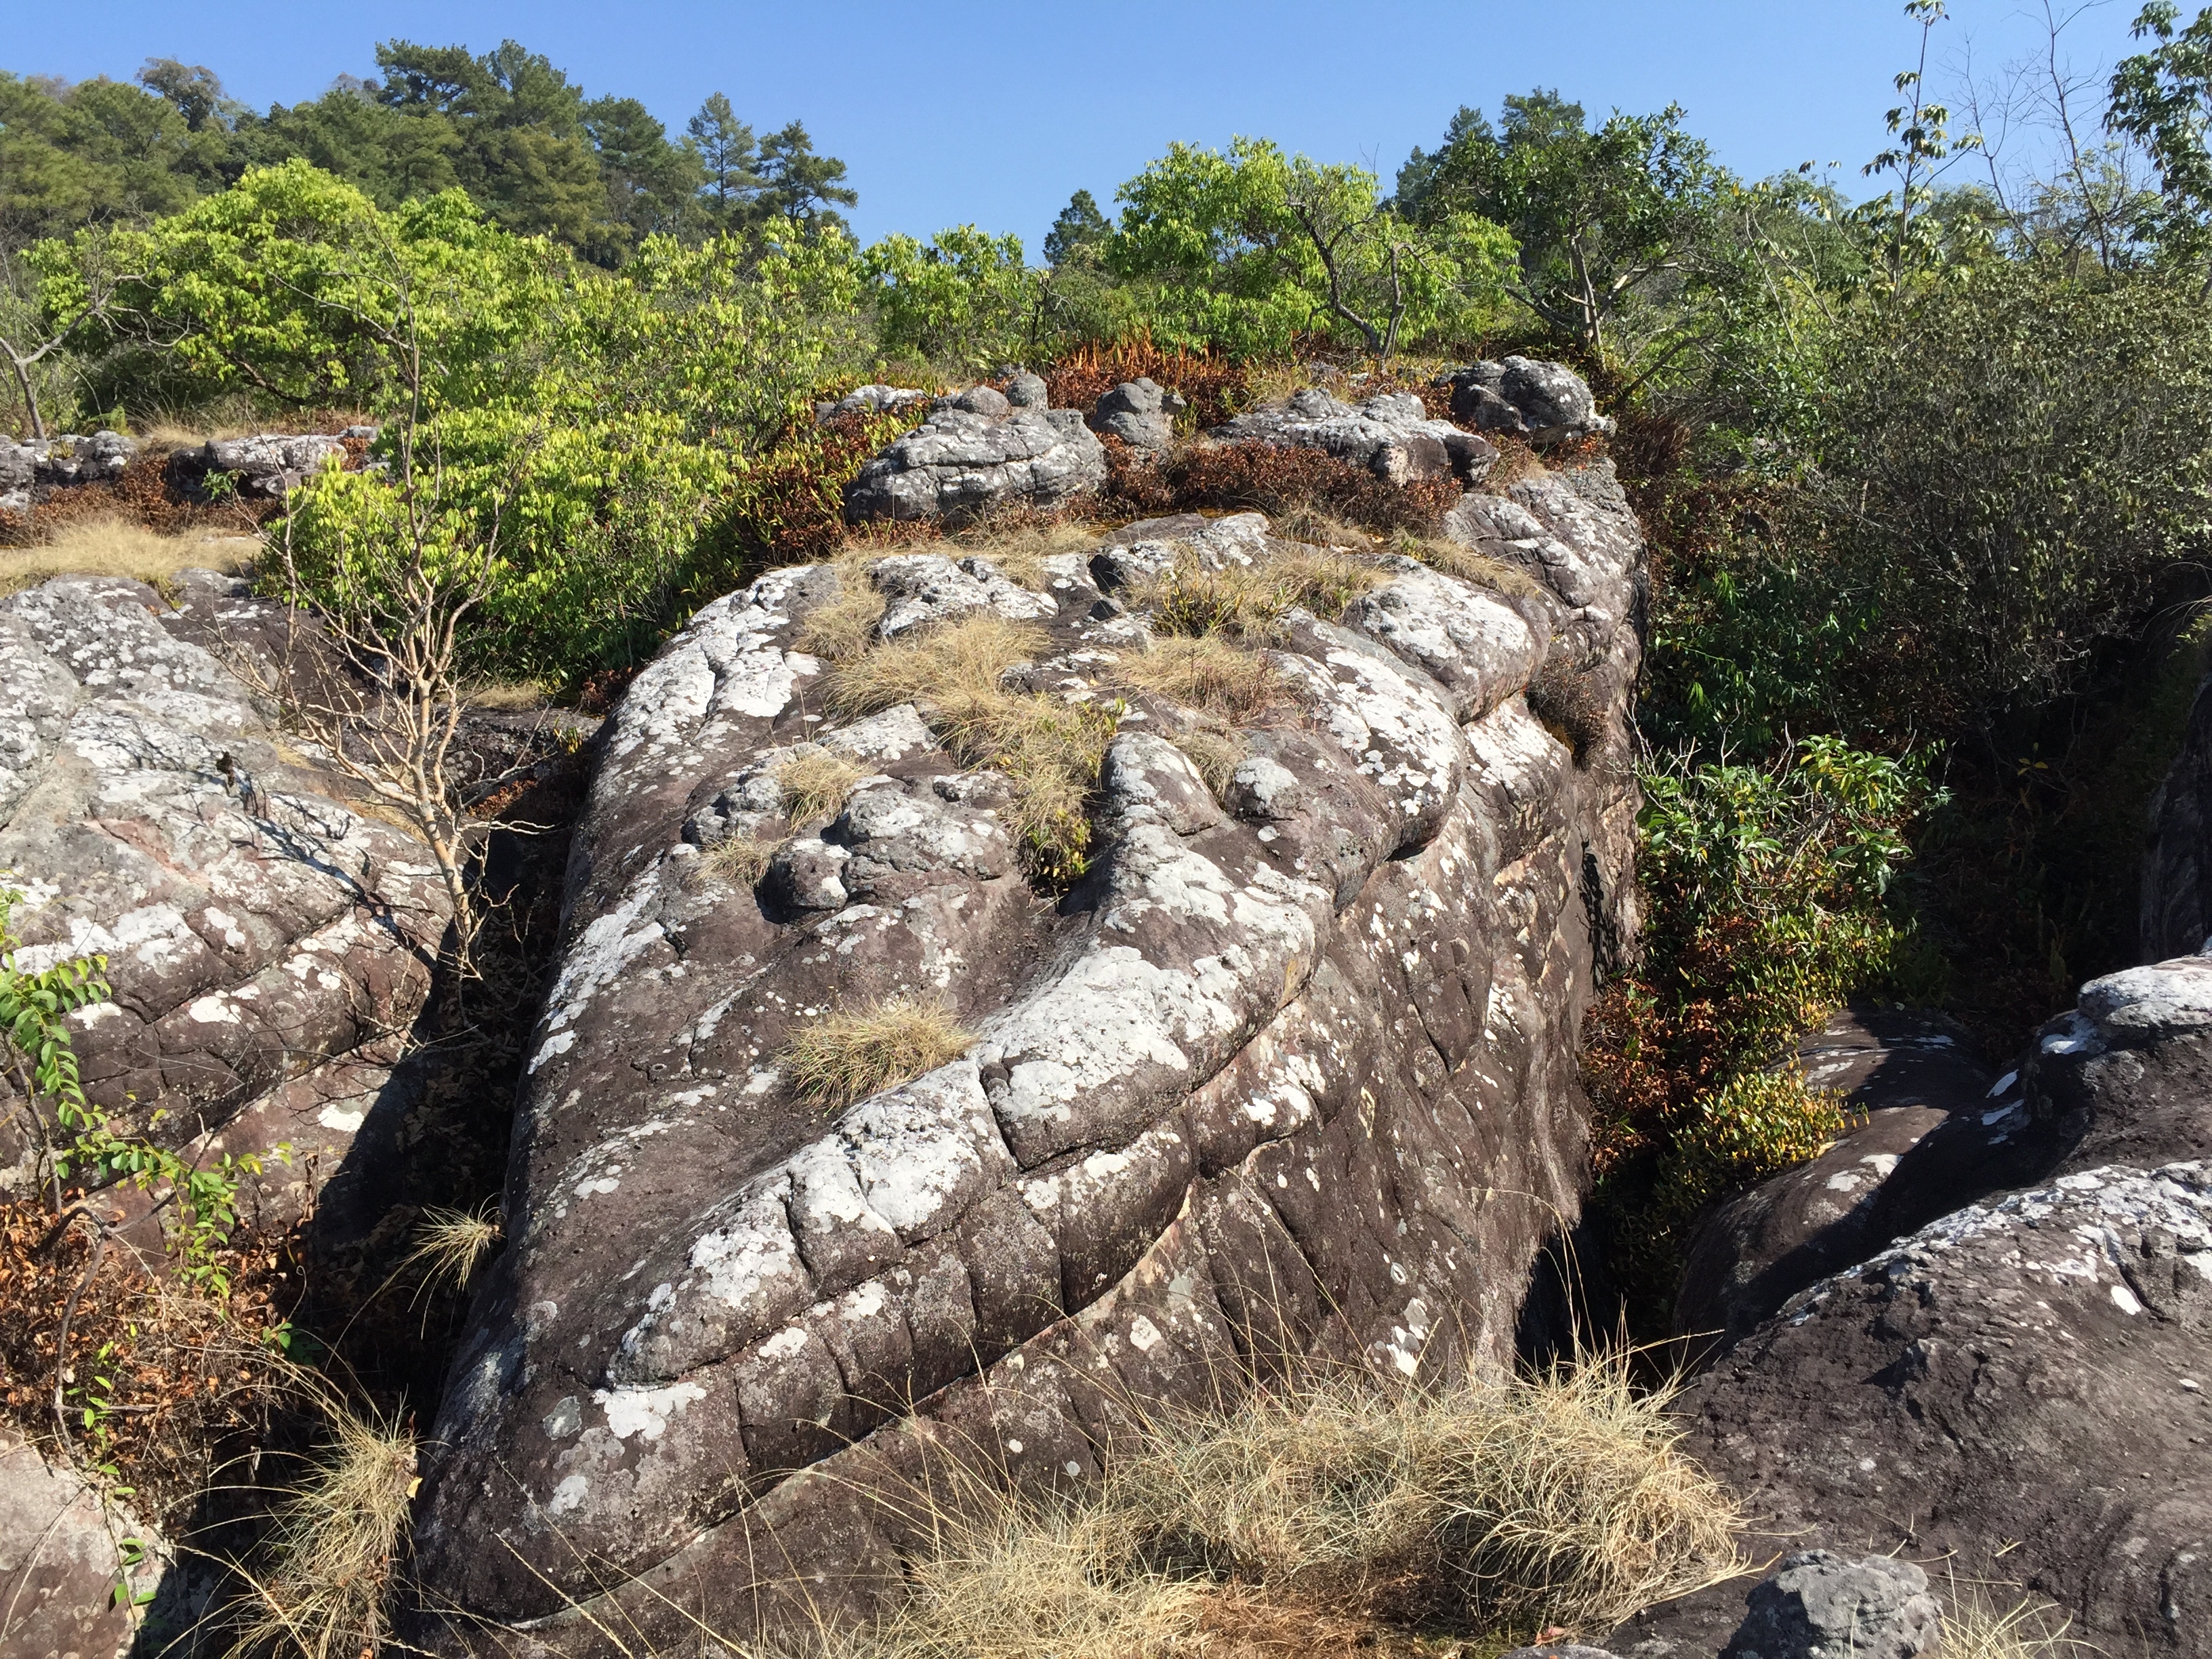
{"x":977,"y":451}
{"x":63,"y":1560}
{"x":1820,"y":1606}
{"x":1140,"y":413}
{"x":1391,"y":436}
{"x":1543,"y":402}
{"x":266,"y":942}
{"x":2019,"y":1385}
{"x":269,"y":464}
{"x":58,"y":463}
{"x":1289,"y":1070}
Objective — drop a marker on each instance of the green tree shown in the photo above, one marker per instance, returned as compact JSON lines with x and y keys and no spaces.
{"x":800,"y":187}
{"x":1080,"y":235}
{"x":651,"y":183}
{"x":1604,"y":218}
{"x":965,"y":299}
{"x":727,"y":153}
{"x":2162,"y":99}
{"x":1248,"y":249}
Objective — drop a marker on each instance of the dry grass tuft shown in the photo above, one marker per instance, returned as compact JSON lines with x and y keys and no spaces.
{"x":1050,"y":749}
{"x":1253,"y":601}
{"x":451,"y":1244}
{"x":848,"y":1056}
{"x":1215,"y":755}
{"x":113,"y":546}
{"x":739,"y":859}
{"x":507,"y":697}
{"x":1468,"y":566}
{"x":1020,"y":548}
{"x":845,"y":627}
{"x":1976,"y":1627}
{"x":1206,"y":672}
{"x":1495,"y":1509}
{"x":335,"y":1546}
{"x":814,"y":785}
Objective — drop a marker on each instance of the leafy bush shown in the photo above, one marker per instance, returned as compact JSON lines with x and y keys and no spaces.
{"x":963,"y":298}
{"x":1766,"y":891}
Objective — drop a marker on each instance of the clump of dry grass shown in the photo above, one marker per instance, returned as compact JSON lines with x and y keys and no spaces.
{"x":1493,"y":1508}
{"x":846,"y":625}
{"x":1253,"y":601}
{"x":1215,"y":755}
{"x":739,"y":859}
{"x":1975,"y":1627}
{"x":113,"y":546}
{"x":814,"y":784}
{"x":507,"y":697}
{"x":1205,"y":670}
{"x":451,"y":1244}
{"x":1050,"y":749}
{"x":851,"y":1054}
{"x":335,"y":1547}
{"x":1468,"y":566}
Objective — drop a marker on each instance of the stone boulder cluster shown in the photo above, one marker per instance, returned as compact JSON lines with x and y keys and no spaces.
{"x":983,"y":448}
{"x":263,"y":464}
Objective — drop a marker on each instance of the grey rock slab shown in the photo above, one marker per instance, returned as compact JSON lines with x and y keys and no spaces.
{"x":1140,"y":413}
{"x":62,"y":1563}
{"x":1545,"y":403}
{"x":255,"y":924}
{"x":1391,"y":436}
{"x":270,"y":463}
{"x":927,"y":588}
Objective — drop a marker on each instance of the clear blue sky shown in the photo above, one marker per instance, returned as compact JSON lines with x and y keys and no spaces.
{"x":994,"y":111}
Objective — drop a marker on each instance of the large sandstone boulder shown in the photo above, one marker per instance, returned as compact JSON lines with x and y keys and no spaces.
{"x":2019,"y":1385}
{"x":266,"y":941}
{"x":972,"y":455}
{"x":1289,"y":1071}
{"x":1391,"y":436}
{"x":268,"y":464}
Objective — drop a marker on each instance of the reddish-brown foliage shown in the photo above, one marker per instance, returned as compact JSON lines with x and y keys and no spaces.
{"x":147,"y":494}
{"x":171,"y":1376}
{"x":1215,"y":387}
{"x":1232,"y":477}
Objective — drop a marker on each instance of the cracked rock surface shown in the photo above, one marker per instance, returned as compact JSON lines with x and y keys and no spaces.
{"x":266,"y":942}
{"x":1391,"y":436}
{"x":1291,"y":1069}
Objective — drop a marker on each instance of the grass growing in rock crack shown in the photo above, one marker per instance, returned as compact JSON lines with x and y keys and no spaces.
{"x":1050,"y":749}
{"x":738,"y":859}
{"x":851,"y":1054}
{"x":1206,"y":672}
{"x":335,"y":1548}
{"x":451,"y":1244}
{"x":1254,"y":601}
{"x":1326,"y":1516}
{"x":814,"y":784}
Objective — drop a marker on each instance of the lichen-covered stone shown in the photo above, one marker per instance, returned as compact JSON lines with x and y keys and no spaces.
{"x":1290,"y":1071}
{"x":959,"y":463}
{"x":1391,"y":436}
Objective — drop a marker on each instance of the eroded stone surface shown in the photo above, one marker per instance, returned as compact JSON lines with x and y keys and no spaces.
{"x":1391,"y":436}
{"x":255,"y":927}
{"x":961,"y":462}
{"x":62,"y":1561}
{"x":1289,"y":1073}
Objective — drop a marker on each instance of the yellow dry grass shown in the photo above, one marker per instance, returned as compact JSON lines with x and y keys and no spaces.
{"x":739,"y":859}
{"x":116,"y":547}
{"x":1050,"y":749}
{"x":851,"y":1054}
{"x":814,"y":785}
{"x":1253,"y":601}
{"x":1207,"y":671}
{"x":846,"y":625}
{"x":1468,"y":566}
{"x":335,"y":1546}
{"x":451,"y":1244}
{"x":506,"y":696}
{"x":1215,"y":755}
{"x":1352,"y":1509}
{"x":1978,"y":1624}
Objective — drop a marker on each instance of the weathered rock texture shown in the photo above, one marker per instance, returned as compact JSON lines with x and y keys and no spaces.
{"x":1544,"y":403}
{"x":972,"y":454}
{"x":62,"y":1562}
{"x":1391,"y":436}
{"x":45,"y":464}
{"x":1140,"y":413}
{"x":1819,"y":1606}
{"x":266,"y":942}
{"x":1293,"y":1074}
{"x":2018,"y":1386}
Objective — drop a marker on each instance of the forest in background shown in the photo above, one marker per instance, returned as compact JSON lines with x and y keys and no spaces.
{"x":1925,"y":469}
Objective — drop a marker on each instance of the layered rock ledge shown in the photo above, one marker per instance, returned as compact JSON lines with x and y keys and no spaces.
{"x":1289,"y":1072}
